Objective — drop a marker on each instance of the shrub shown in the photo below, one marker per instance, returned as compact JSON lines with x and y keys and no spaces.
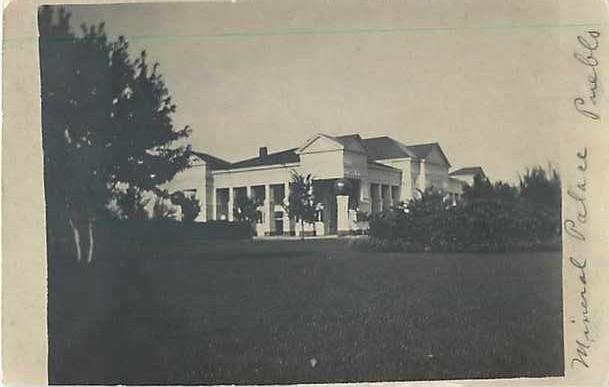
{"x":491,"y":217}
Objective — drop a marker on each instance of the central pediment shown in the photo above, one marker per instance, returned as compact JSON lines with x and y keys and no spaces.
{"x":320,"y":143}
{"x":325,"y":143}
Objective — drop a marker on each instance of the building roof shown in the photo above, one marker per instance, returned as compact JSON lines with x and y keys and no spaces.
{"x":212,"y":161}
{"x":377,"y":148}
{"x":422,"y":151}
{"x":383,"y":148}
{"x":352,"y":142}
{"x":283,"y":157}
{"x":468,"y":171}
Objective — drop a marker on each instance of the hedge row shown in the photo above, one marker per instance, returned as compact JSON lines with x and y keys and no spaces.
{"x":483,"y":224}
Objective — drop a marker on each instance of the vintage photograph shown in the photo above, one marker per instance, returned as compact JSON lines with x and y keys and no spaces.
{"x":273,"y":192}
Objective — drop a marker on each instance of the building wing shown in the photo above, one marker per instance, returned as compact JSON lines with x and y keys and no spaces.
{"x":468,"y":171}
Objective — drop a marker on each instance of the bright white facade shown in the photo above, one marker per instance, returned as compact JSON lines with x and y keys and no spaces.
{"x":378,"y":172}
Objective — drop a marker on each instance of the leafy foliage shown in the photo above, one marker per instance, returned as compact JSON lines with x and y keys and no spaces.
{"x":189,"y":205}
{"x":163,"y":209}
{"x":132,"y":204}
{"x":490,"y":217}
{"x":245,"y":209}
{"x":541,"y":186}
{"x":301,"y":204}
{"x":106,"y":121}
{"x":483,"y":188}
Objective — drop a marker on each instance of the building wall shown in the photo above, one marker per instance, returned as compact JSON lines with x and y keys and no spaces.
{"x":191,"y":179}
{"x":254,"y":176}
{"x":407,"y":182}
{"x":384,"y":176}
{"x":436,"y":176}
{"x":324,"y":165}
{"x":355,"y":165}
{"x":416,"y":181}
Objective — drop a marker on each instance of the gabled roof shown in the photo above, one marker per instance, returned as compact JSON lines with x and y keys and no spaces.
{"x":383,"y":148}
{"x":377,"y":148}
{"x":283,"y":157}
{"x":422,"y":151}
{"x":468,"y":171}
{"x":212,"y":161}
{"x":352,"y":142}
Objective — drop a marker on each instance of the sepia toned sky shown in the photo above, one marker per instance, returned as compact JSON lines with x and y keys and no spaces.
{"x":482,"y":78}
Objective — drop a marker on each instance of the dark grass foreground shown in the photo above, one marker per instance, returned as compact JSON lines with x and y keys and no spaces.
{"x":314,"y":311}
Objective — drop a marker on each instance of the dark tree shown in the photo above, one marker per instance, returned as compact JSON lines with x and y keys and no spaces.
{"x":541,"y":186}
{"x":189,"y":204}
{"x":301,"y":205}
{"x":131,"y":204}
{"x":482,"y":188}
{"x":163,"y":209}
{"x":246,"y":209}
{"x":106,"y":121}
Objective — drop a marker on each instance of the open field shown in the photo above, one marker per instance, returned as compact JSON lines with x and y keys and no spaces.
{"x":313,"y":311}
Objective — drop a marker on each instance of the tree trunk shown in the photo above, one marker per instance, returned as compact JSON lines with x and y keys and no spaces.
{"x":91,"y":239}
{"x":76,"y":239}
{"x":302,"y":236}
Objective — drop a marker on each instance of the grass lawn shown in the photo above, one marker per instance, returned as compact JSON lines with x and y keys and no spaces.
{"x":313,"y":311}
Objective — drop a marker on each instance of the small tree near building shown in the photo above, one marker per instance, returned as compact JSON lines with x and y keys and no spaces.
{"x":245,"y":209}
{"x":189,"y":205}
{"x":163,"y":209}
{"x":301,"y":205}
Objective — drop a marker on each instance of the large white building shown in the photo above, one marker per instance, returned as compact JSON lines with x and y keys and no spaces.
{"x":376,"y":173}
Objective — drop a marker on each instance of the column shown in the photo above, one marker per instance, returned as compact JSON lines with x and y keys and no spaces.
{"x":268,"y":210}
{"x":373,"y":202}
{"x":379,"y":195}
{"x":342,"y":215}
{"x":231,"y":203}
{"x":391,"y":188}
{"x":287,"y":222}
{"x":248,"y":191}
{"x":202,"y":195}
{"x":364,"y":197}
{"x":422,"y":176}
{"x":214,"y":205}
{"x":398,"y":195}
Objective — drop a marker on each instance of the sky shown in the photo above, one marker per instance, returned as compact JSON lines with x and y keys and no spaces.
{"x":482,"y":78}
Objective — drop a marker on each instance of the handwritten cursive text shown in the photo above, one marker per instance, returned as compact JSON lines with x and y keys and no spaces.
{"x":588,"y":44}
